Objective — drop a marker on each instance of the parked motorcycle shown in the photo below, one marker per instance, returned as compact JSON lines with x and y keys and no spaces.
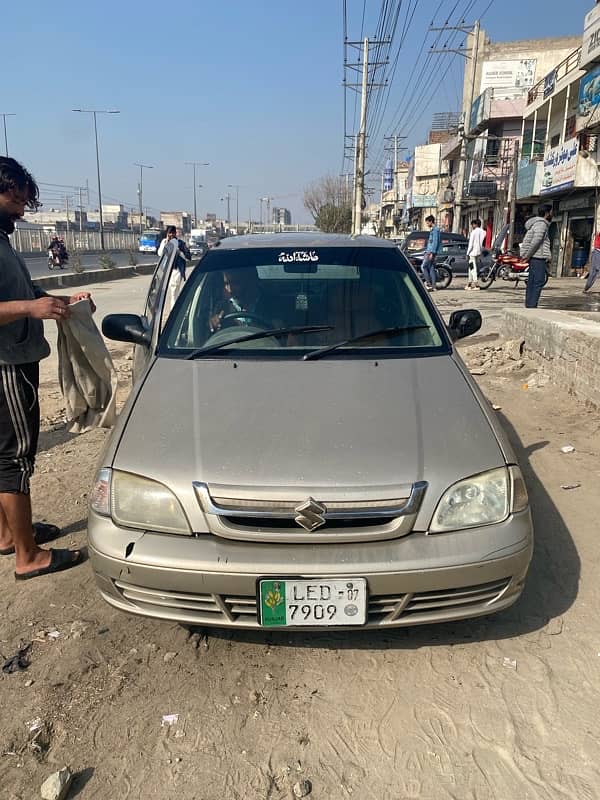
{"x":506,"y":267}
{"x":443,"y":271}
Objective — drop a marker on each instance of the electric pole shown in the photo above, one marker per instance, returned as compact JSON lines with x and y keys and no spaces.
{"x":4,"y":116}
{"x":361,"y":139}
{"x":141,"y":191}
{"x":513,"y":193}
{"x":471,"y":54}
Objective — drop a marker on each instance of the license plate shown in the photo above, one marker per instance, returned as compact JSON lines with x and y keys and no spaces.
{"x":314,"y":603}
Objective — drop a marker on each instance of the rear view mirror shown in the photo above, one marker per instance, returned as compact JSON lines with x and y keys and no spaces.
{"x":464,"y":323}
{"x":126,"y":328}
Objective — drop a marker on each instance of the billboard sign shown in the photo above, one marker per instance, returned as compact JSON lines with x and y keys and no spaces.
{"x":560,"y":167}
{"x":590,"y":47}
{"x":508,"y":78}
{"x":589,"y":99}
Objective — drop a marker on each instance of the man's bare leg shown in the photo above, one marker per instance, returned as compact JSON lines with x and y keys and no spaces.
{"x":16,"y":510}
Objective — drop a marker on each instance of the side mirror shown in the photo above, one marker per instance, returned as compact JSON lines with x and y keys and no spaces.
{"x":126,"y":328}
{"x":464,"y":323}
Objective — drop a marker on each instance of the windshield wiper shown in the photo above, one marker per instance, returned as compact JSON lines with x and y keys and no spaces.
{"x":378,"y":334}
{"x":249,"y":337}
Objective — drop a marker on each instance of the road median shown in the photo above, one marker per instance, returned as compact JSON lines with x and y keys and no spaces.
{"x":88,"y":276}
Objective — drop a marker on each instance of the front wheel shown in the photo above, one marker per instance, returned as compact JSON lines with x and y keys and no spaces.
{"x":443,"y":277}
{"x":486,"y":278}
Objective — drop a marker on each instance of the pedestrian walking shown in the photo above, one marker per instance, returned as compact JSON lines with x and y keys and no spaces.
{"x":434,"y":245}
{"x":594,"y":266}
{"x":536,"y":249}
{"x":474,"y":252}
{"x":23,"y":306}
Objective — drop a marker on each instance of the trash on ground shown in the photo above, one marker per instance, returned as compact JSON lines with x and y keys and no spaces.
{"x":302,"y":788}
{"x":35,"y":725}
{"x":57,"y":785}
{"x":169,"y":719}
{"x":477,"y":372}
{"x":510,"y":663}
{"x":497,"y":408}
{"x":570,"y":486}
{"x":568,"y":448}
{"x":54,"y":634}
{"x":20,"y":661}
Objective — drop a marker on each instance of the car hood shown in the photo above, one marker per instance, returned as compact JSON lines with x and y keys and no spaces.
{"x":315,"y":424}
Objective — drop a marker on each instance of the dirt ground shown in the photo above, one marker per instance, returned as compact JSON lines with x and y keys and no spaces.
{"x":501,"y":707}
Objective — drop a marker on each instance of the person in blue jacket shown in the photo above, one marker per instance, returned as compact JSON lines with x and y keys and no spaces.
{"x":434,"y":245}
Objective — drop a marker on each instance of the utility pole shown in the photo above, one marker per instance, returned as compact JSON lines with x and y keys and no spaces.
{"x":94,"y":113}
{"x":237,"y":205}
{"x":4,"y":116}
{"x":195,"y":164}
{"x":67,"y":212}
{"x":359,"y":183}
{"x":363,"y":66}
{"x":141,"y":191}
{"x":513,"y":193}
{"x":472,"y":55}
{"x":80,"y":209}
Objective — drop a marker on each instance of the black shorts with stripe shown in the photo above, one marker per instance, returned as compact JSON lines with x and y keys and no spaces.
{"x":19,"y":425}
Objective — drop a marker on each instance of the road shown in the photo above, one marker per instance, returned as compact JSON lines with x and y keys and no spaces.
{"x":38,"y":265}
{"x":491,"y":709}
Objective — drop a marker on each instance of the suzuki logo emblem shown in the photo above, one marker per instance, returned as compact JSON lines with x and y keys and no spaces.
{"x":310,"y":514}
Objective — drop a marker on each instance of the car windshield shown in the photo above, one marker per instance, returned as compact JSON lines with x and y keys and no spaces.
{"x":287,"y":302}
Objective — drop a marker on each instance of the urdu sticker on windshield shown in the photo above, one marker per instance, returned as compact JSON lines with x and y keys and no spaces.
{"x":297,"y":255}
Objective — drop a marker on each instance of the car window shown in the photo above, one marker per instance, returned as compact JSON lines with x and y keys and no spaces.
{"x":416,"y":243}
{"x":454,"y":247}
{"x":351,"y":291}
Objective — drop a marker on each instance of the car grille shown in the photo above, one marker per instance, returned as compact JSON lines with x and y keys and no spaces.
{"x":237,"y":513}
{"x":384,"y":610}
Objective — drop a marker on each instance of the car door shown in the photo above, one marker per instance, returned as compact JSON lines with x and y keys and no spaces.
{"x":153,"y":317}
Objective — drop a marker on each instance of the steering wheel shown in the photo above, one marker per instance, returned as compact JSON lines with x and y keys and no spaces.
{"x":228,"y":320}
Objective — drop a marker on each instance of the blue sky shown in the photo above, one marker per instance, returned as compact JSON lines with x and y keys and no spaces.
{"x":253,"y":87}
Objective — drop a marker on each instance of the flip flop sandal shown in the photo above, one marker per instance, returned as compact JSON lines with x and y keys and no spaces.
{"x":43,"y":533}
{"x":59,"y":561}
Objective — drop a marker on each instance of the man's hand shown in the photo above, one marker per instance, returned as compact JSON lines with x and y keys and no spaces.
{"x":75,"y":298}
{"x":215,"y":321}
{"x":48,"y":308}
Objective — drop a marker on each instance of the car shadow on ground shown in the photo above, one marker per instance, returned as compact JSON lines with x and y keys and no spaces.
{"x":551,"y":588}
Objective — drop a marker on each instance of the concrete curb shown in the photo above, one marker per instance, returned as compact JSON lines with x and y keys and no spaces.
{"x":565,"y":344}
{"x":60,"y":280}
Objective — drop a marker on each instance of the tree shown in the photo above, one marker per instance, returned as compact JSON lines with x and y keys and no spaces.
{"x":330,"y":204}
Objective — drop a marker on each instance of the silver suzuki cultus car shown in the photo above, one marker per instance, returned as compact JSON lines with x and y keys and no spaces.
{"x":303,"y":447}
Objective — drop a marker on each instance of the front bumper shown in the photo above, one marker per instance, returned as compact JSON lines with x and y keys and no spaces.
{"x":205,"y":580}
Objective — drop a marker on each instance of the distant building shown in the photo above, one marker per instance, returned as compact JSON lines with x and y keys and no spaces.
{"x":282,"y":216}
{"x":181,"y":219}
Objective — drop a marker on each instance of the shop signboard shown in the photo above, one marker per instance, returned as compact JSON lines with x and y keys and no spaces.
{"x":588,"y":112}
{"x":508,"y":78}
{"x":424,"y":200}
{"x":560,"y":167}
{"x":590,"y":46}
{"x":549,"y":83}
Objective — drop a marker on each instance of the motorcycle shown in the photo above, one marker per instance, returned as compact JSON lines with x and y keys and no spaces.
{"x":443,"y":271}
{"x":57,"y":258}
{"x":506,"y":267}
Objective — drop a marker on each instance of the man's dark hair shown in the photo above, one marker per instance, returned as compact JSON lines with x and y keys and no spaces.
{"x":172,"y":229}
{"x":430,"y":218}
{"x":476,"y":222}
{"x":14,"y":176}
{"x":545,"y":209}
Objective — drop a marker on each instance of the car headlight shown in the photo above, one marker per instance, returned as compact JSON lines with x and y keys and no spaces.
{"x":483,"y":499}
{"x":136,"y":502}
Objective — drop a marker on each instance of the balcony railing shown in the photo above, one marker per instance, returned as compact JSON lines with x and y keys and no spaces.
{"x":570,"y":63}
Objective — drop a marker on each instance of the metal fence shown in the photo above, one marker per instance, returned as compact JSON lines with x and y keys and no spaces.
{"x":35,"y":241}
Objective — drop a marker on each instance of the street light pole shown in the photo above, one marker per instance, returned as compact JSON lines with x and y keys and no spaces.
{"x":142,"y":168}
{"x":94,"y":112}
{"x":195,"y":164}
{"x":4,"y":116}
{"x":237,"y":205}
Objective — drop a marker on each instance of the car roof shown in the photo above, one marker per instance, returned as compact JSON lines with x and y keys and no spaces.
{"x":303,"y":239}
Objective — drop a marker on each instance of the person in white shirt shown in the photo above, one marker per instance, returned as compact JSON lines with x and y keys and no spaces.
{"x":177,"y":278}
{"x":474,"y":252}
